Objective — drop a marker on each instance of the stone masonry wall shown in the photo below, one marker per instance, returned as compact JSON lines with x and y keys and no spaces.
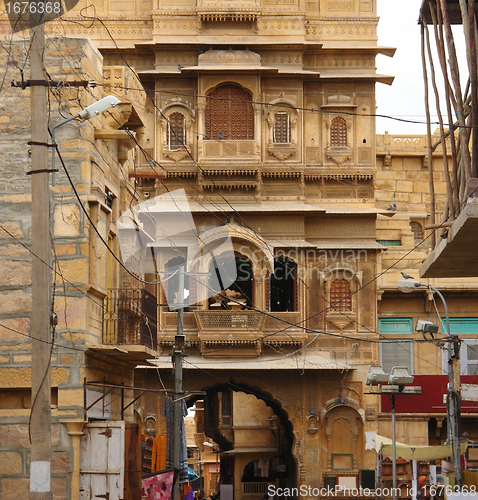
{"x":65,"y":59}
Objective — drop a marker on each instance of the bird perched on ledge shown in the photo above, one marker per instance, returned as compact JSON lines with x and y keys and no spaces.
{"x":392,"y":208}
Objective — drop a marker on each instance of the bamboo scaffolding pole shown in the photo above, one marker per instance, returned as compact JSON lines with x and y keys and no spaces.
{"x":468,"y":19}
{"x":450,"y":100}
{"x":429,"y":135}
{"x":455,"y":78}
{"x":446,"y":168}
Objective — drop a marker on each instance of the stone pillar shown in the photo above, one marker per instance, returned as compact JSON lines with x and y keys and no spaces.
{"x":75,"y":430}
{"x":201,"y":125}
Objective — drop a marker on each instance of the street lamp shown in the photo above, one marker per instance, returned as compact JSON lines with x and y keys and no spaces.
{"x":397,"y":379}
{"x":453,"y":404}
{"x":216,"y":451}
{"x":89,"y":112}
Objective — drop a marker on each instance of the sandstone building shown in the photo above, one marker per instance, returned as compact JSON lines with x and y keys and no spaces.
{"x":262,"y":112}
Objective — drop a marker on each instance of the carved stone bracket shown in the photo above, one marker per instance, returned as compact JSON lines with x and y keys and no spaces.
{"x":176,"y":154}
{"x":281,"y":152}
{"x":339,"y":157}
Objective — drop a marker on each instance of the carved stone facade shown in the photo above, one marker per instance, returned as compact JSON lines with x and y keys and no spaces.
{"x":279,"y":149}
{"x":262,"y":112}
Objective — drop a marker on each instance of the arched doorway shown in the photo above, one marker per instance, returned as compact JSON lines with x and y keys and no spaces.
{"x":254,"y":437}
{"x":342,"y":438}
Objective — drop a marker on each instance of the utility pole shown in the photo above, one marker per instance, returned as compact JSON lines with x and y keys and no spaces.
{"x":178,"y":354}
{"x":453,"y":399}
{"x":40,"y":430}
{"x":453,"y":402}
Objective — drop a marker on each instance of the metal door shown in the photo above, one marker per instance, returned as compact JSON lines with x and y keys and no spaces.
{"x":102,"y":461}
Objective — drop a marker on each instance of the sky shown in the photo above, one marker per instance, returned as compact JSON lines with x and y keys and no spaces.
{"x":398,"y":27}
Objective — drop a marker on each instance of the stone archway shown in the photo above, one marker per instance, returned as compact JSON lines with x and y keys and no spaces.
{"x":258,"y":428}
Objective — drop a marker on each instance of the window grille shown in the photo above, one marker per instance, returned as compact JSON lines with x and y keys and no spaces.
{"x":338,"y":132}
{"x":282,"y":127}
{"x":340,"y":295}
{"x":176,"y":131}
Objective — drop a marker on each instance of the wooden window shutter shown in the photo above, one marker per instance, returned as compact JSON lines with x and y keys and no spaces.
{"x":229,"y":114}
{"x":192,"y":299}
{"x":338,"y":132}
{"x":340,"y":295}
{"x":295,"y":305}
{"x":267,"y":291}
{"x":395,"y":353}
{"x":282,"y":127}
{"x":176,"y":131}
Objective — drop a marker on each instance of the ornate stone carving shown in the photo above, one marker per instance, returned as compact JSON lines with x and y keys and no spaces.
{"x":339,"y":156}
{"x":281,"y":152}
{"x":229,"y":58}
{"x":339,"y":320}
{"x":176,"y":154}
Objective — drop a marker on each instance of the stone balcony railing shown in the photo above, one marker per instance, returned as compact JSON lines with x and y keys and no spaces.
{"x":235,"y":327}
{"x":223,"y":149}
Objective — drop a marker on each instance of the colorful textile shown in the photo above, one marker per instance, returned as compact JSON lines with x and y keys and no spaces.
{"x":158,"y":486}
{"x":158,"y":459}
{"x":147,"y":456}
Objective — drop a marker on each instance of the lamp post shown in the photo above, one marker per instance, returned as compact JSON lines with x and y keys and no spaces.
{"x":397,"y":379}
{"x":453,"y":404}
{"x":216,"y":451}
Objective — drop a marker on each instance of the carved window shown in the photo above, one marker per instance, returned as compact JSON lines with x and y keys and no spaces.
{"x":229,"y":114}
{"x":340,"y":295}
{"x":283,"y":285}
{"x":338,"y":132}
{"x":282,"y":127}
{"x":238,"y":296}
{"x":417,"y":230}
{"x":176,"y":131}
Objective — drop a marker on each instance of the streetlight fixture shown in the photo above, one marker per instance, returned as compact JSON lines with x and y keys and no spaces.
{"x":89,"y":112}
{"x":453,"y":401}
{"x":397,"y":379}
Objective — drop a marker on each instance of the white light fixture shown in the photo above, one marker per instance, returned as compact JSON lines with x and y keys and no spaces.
{"x":408,"y":286}
{"x":99,"y":107}
{"x":376,"y":376}
{"x":89,"y":112}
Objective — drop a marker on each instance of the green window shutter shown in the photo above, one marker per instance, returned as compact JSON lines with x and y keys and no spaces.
{"x":401,"y":326}
{"x":461,"y":326}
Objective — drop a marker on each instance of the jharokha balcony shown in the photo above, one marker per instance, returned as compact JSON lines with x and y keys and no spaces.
{"x":253,"y":328}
